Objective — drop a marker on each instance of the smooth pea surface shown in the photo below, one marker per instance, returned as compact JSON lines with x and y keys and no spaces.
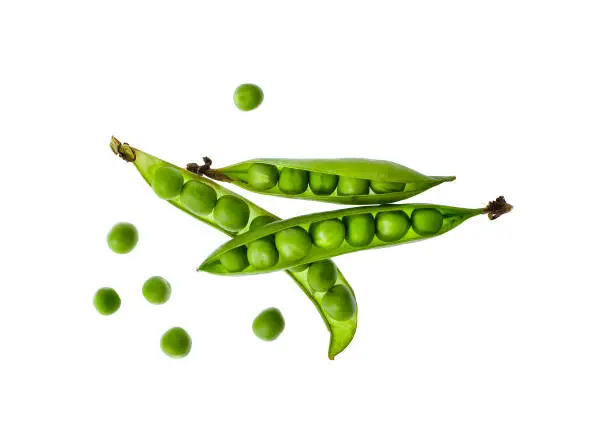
{"x":293,"y":243}
{"x":348,"y":186}
{"x":107,"y":301}
{"x":198,"y":198}
{"x":391,"y":225}
{"x":360,"y":229}
{"x":260,"y":221}
{"x":339,"y":303}
{"x":269,"y":324}
{"x":263,"y":176}
{"x":322,"y":275}
{"x":386,"y":187}
{"x":248,"y":97}
{"x":262,"y":253}
{"x":167,"y":182}
{"x":293,"y":181}
{"x":232,"y":213}
{"x":427,"y":221}
{"x":122,"y":238}
{"x":176,"y":342}
{"x":323,"y":184}
{"x":328,"y":234}
{"x":235,"y":260}
{"x":156,"y":290}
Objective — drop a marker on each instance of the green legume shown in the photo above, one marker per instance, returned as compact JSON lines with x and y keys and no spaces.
{"x":176,"y":342}
{"x":293,"y":181}
{"x":231,"y":213}
{"x":293,"y":243}
{"x":339,"y":303}
{"x":299,"y":268}
{"x":122,"y":238}
{"x":263,"y":176}
{"x":167,"y":182}
{"x":322,"y":275}
{"x":391,"y":225}
{"x":348,"y":186}
{"x":262,"y":253}
{"x":269,"y":324}
{"x":328,"y":234}
{"x":248,"y":97}
{"x":235,"y":260}
{"x":386,"y":187}
{"x":260,"y":221}
{"x":156,"y":290}
{"x":107,"y":301}
{"x":427,"y":221}
{"x":198,"y":198}
{"x":323,"y":184}
{"x":360,"y":229}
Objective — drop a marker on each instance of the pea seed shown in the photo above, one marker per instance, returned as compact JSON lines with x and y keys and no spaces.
{"x":360,"y":229}
{"x":156,"y":290}
{"x":391,"y":225}
{"x":248,"y":97}
{"x":260,"y":221}
{"x":122,"y":238}
{"x":231,"y":213}
{"x":293,"y":181}
{"x":176,"y":342}
{"x":348,"y":186}
{"x":263,"y":176}
{"x":322,"y":275}
{"x":167,"y":182}
{"x":269,"y":324}
{"x":339,"y":303}
{"x":323,"y":184}
{"x":107,"y":301}
{"x":198,"y":198}
{"x":262,"y":253}
{"x":427,"y":221}
{"x":293,"y":243}
{"x":235,"y":260}
{"x":299,"y":268}
{"x":328,"y":234}
{"x":386,"y":187}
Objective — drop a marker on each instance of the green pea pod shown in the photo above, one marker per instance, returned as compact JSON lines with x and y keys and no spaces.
{"x":192,"y":195}
{"x":354,"y":181}
{"x":309,"y":238}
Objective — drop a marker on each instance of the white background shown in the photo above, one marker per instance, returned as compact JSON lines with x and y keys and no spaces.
{"x":496,"y":334}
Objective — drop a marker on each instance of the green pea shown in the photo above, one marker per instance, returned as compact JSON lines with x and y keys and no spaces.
{"x":323,"y":184}
{"x":107,"y":301}
{"x":293,"y":181}
{"x":262,"y":253}
{"x":235,"y":260}
{"x":176,"y":342}
{"x":260,"y":221}
{"x":293,"y":243}
{"x":122,"y":238}
{"x":167,"y":182}
{"x":263,"y":176}
{"x":339,"y":303}
{"x":386,"y":187}
{"x":427,"y":221}
{"x":198,"y":198}
{"x":156,"y":290}
{"x":348,"y":186}
{"x":391,"y":225}
{"x":269,"y":324}
{"x":328,"y":234}
{"x":299,"y":268}
{"x":322,"y":275}
{"x":360,"y":229}
{"x":248,"y":97}
{"x":231,"y":213}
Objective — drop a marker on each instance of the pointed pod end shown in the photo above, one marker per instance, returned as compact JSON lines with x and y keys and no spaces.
{"x":497,"y":208}
{"x":442,"y":179}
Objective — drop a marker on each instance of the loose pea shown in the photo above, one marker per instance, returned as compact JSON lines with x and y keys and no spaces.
{"x":176,"y":342}
{"x":231,"y":213}
{"x":198,"y":198}
{"x":167,"y":182}
{"x":107,"y":301}
{"x":348,"y":186}
{"x":386,"y":187}
{"x":427,"y":221}
{"x":360,"y":229}
{"x":248,"y":97}
{"x":391,"y":225}
{"x":339,"y":303}
{"x":263,"y":176}
{"x":328,"y":234}
{"x":322,"y":275}
{"x":293,"y":181}
{"x":260,"y":221}
{"x":235,"y":260}
{"x":323,"y":184}
{"x":293,"y":243}
{"x":156,"y":290}
{"x":269,"y":324}
{"x":262,"y":253}
{"x":122,"y":238}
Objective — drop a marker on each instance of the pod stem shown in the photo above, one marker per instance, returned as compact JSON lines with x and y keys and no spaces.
{"x":122,"y":150}
{"x":205,"y":170}
{"x":497,"y":207}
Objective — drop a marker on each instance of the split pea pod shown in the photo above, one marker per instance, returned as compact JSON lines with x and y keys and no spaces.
{"x":311,"y":238}
{"x":355,"y":181}
{"x":234,"y":215}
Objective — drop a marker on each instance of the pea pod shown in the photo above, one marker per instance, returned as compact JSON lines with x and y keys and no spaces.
{"x":310,"y":238}
{"x":354,"y":181}
{"x":233,"y":215}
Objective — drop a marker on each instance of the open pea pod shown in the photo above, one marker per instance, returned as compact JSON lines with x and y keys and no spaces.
{"x":310,"y":238}
{"x":234,"y":215}
{"x":355,"y":181}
